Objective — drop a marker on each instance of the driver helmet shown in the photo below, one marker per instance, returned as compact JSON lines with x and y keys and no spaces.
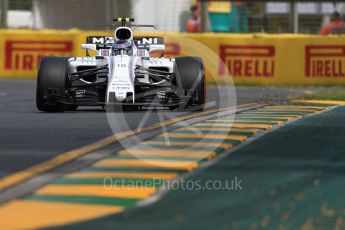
{"x":122,"y":45}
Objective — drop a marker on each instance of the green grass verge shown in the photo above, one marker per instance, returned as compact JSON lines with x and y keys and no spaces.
{"x":336,"y":95}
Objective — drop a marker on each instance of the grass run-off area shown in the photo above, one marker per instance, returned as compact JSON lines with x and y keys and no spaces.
{"x":334,"y":95}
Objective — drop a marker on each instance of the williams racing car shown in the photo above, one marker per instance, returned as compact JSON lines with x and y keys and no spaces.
{"x":123,"y":74}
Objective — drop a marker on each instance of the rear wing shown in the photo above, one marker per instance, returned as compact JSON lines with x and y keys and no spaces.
{"x":141,"y":42}
{"x":100,"y":40}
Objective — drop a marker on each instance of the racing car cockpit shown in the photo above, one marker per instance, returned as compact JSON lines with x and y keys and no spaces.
{"x":123,"y":42}
{"x":122,"y":47}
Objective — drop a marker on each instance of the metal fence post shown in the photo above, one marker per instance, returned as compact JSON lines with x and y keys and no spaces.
{"x":204,"y":16}
{"x":3,"y":17}
{"x":293,"y":17}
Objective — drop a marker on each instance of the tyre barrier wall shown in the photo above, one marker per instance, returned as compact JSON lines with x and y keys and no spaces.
{"x":251,"y":59}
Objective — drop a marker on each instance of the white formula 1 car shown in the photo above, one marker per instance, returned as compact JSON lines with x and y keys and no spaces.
{"x":122,"y":74}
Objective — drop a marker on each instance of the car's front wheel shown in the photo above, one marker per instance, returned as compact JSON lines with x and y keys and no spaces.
{"x":190,"y":78}
{"x":52,"y":74}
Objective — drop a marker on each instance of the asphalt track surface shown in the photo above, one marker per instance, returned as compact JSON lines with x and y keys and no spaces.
{"x":29,"y":137}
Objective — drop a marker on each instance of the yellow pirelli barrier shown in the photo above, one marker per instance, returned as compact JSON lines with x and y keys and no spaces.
{"x":252,"y":59}
{"x":21,"y":50}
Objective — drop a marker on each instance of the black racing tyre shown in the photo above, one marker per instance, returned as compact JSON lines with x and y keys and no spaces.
{"x":52,"y":73}
{"x":190,"y":77}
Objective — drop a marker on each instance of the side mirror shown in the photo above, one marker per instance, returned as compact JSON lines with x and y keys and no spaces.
{"x":88,"y":47}
{"x":157,"y":49}
{"x":153,"y":48}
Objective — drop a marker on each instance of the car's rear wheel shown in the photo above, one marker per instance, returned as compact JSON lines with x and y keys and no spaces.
{"x":190,"y":78}
{"x":52,"y":74}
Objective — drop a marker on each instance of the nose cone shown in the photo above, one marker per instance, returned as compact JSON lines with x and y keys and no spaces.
{"x":121,"y":77}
